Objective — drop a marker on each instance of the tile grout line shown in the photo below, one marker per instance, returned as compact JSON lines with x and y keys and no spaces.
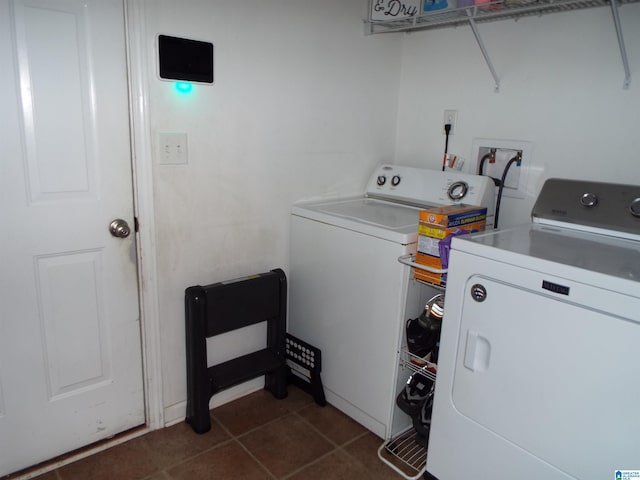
{"x":313,"y":462}
{"x":290,"y":474}
{"x":188,"y":459}
{"x":286,"y":413}
{"x":348,"y":442}
{"x":336,"y":446}
{"x":341,"y":448}
{"x":293,"y":412}
{"x":260,"y":464}
{"x":191,"y":457}
{"x":234,"y":438}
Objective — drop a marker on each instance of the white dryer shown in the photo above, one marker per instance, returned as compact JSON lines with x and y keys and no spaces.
{"x":347,"y":290}
{"x":538,"y":371}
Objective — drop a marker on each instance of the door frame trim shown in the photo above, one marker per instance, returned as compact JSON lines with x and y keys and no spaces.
{"x":142,"y":168}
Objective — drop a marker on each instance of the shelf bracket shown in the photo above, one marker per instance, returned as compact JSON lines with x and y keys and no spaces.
{"x":487,"y":59}
{"x":623,"y":50}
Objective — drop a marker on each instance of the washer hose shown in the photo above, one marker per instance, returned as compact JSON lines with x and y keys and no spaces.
{"x":501,"y":188}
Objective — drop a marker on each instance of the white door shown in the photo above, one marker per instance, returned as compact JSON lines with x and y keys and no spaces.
{"x":70,"y":354}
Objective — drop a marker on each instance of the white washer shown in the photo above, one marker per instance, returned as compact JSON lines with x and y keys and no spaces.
{"x":538,"y":371}
{"x":347,"y":290}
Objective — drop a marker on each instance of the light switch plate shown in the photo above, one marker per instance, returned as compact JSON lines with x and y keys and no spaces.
{"x":172,"y":148}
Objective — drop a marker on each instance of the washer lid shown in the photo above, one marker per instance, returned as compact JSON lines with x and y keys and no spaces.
{"x":375,"y":212}
{"x":388,"y":220}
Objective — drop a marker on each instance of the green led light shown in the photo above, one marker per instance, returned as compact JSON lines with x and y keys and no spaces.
{"x":184,"y":87}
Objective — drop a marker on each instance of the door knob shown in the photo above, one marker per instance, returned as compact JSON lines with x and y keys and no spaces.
{"x":119,"y":228}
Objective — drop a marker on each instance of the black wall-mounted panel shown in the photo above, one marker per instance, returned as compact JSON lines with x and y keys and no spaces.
{"x":184,"y":59}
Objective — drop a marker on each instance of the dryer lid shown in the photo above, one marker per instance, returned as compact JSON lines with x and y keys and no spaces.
{"x":541,"y":247}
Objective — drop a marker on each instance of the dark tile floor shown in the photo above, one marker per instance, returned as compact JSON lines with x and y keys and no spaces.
{"x":254,"y":437}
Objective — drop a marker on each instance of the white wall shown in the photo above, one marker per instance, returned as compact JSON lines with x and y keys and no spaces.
{"x":303,"y":105}
{"x":561,"y":88}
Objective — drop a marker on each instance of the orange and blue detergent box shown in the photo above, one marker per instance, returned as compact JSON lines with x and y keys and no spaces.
{"x":437,"y":227}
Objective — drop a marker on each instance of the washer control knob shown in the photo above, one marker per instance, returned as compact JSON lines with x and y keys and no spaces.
{"x":381,"y":180}
{"x":634,"y":208}
{"x":589,"y":200}
{"x":457,"y":190}
{"x":395,"y":180}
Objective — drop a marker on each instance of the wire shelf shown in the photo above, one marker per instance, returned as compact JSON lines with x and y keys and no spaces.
{"x":410,"y":261}
{"x":405,"y":449}
{"x":418,"y":365}
{"x":500,"y":10}
{"x":485,"y":12}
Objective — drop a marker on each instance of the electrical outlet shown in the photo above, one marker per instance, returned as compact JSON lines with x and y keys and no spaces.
{"x":450,"y":117}
{"x":497,"y":155}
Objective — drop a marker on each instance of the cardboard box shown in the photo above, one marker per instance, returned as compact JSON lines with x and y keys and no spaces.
{"x":436,"y":229}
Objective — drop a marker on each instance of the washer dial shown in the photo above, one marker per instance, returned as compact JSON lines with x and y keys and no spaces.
{"x":457,"y":190}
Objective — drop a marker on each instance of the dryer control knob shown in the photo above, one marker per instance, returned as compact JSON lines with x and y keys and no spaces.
{"x":589,"y":200}
{"x":634,"y":208}
{"x":395,"y":180}
{"x":381,"y":180}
